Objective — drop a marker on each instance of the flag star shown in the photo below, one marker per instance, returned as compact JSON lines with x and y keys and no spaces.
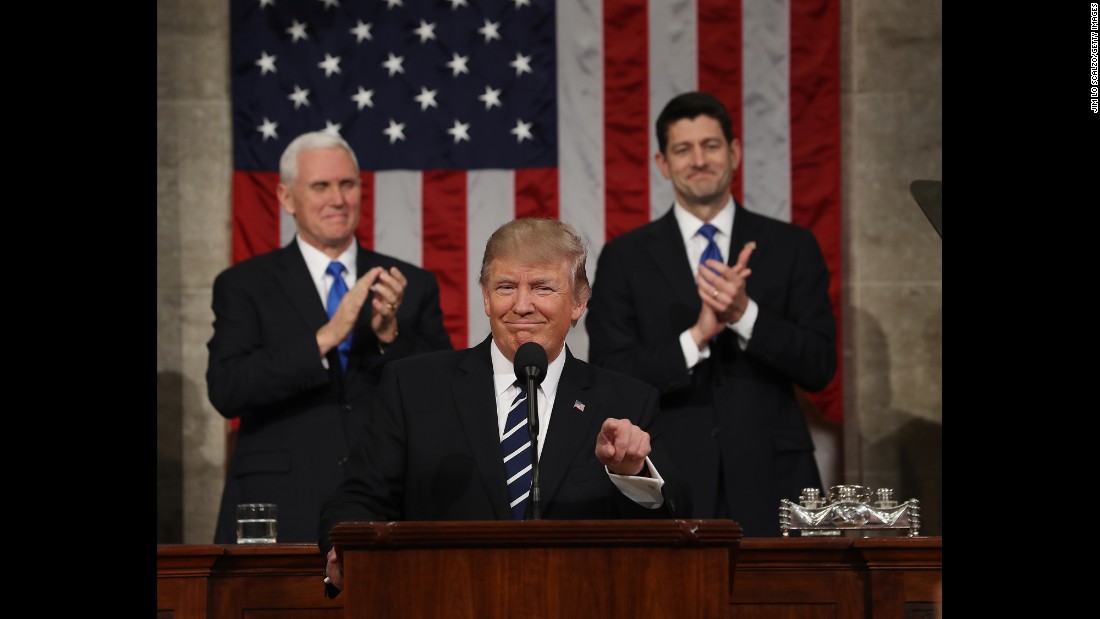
{"x":457,"y":3}
{"x":392,"y":3}
{"x":264,"y":3}
{"x":266,"y":63}
{"x":425,"y":31}
{"x":299,"y":97}
{"x":393,"y":64}
{"x":331,"y":128}
{"x":491,"y":97}
{"x":330,"y":3}
{"x":490,"y":30}
{"x":330,"y":64}
{"x":362,"y":31}
{"x":522,"y":64}
{"x":426,"y":98}
{"x":297,"y":30}
{"x":520,"y":3}
{"x":363,"y":98}
{"x":457,"y":64}
{"x":522,"y":131}
{"x":460,"y":131}
{"x":268,"y":129}
{"x":396,"y":131}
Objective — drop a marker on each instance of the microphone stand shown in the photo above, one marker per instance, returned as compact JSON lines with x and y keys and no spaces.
{"x":533,"y":428}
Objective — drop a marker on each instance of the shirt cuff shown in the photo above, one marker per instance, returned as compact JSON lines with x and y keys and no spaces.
{"x":645,"y":491}
{"x":692,"y":354}
{"x":743,"y":327}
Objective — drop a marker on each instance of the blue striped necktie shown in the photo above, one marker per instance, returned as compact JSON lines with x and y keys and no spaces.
{"x":335,"y":293}
{"x":516,"y":448}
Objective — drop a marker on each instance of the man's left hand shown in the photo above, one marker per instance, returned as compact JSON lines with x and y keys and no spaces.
{"x":389,"y":289}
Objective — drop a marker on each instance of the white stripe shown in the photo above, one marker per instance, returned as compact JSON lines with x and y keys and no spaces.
{"x":397,"y":215}
{"x":508,"y":433}
{"x":522,"y":497}
{"x":766,"y":116}
{"x":489,"y":205}
{"x":673,"y":69}
{"x":514,"y":454}
{"x":580,"y":133}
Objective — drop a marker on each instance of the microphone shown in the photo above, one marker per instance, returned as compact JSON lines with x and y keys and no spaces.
{"x":530,"y":366}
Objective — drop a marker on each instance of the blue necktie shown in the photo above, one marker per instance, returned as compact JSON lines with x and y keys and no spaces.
{"x":335,"y":293}
{"x":711,"y":252}
{"x":516,"y":448}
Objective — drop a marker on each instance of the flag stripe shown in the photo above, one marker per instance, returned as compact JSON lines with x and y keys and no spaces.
{"x":444,"y":251}
{"x":815,"y":152}
{"x":626,"y":199}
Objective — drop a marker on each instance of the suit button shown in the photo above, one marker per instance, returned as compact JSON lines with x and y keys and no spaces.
{"x":341,"y":461}
{"x":347,"y":408}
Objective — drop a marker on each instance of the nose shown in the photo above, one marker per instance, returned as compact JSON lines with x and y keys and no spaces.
{"x":697,"y":157}
{"x":522,"y":303}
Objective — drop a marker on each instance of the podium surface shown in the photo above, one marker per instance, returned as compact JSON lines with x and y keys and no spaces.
{"x":538,"y":568}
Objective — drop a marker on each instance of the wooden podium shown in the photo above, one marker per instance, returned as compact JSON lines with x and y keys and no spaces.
{"x":538,"y":568}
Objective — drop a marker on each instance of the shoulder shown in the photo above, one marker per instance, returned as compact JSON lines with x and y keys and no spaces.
{"x":634,"y":240}
{"x":257,"y":267}
{"x":777,"y":232}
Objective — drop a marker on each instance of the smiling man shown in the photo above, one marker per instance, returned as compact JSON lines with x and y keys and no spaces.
{"x":726,"y":312}
{"x":295,"y":361}
{"x":432,"y":447}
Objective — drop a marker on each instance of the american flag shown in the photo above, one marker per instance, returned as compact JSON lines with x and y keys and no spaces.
{"x":465,"y":114}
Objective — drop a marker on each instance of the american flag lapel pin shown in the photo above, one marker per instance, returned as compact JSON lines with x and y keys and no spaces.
{"x":579,"y":405}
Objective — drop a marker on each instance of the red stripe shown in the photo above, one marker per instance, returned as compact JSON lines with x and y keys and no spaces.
{"x":365,"y":230}
{"x":537,"y":192}
{"x":815,"y":153}
{"x":255,"y":219}
{"x":626,"y":116}
{"x":719,"y":51}
{"x":444,"y":247}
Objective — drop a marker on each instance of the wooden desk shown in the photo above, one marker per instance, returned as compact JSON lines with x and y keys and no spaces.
{"x":790,"y":578}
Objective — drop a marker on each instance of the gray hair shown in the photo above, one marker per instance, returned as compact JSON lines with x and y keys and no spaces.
{"x":538,"y":240}
{"x":314,"y":140}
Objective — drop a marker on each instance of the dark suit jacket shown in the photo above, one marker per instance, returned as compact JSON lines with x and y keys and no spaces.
{"x":736,"y":412}
{"x":431,"y":448}
{"x":298,"y":420}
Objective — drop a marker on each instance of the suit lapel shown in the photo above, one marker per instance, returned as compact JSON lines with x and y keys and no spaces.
{"x":666,"y":246}
{"x":570,"y":429}
{"x":473,"y":392}
{"x":299,"y":287}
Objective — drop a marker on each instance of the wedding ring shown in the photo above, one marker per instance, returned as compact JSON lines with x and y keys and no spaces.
{"x":715,"y":293}
{"x":392,"y":307}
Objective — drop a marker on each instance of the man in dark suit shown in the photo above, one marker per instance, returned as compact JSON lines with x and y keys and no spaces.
{"x":431,"y":449}
{"x":300,"y":381}
{"x":726,"y":343}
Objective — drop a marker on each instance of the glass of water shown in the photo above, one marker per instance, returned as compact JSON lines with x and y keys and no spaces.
{"x":257,"y":523}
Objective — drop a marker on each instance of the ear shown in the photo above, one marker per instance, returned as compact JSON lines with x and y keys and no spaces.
{"x":735,"y":153}
{"x":485,"y":299}
{"x":662,"y":165}
{"x":283,"y":193}
{"x":578,"y":309}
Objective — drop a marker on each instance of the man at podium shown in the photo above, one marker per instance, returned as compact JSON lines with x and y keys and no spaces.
{"x":432,"y":448}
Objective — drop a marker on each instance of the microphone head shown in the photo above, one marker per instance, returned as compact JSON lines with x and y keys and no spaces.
{"x":530,"y":361}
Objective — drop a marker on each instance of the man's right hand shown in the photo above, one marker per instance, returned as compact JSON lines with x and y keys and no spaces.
{"x":336,"y":330}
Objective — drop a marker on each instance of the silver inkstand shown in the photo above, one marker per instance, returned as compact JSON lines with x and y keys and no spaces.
{"x":849,"y":512}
